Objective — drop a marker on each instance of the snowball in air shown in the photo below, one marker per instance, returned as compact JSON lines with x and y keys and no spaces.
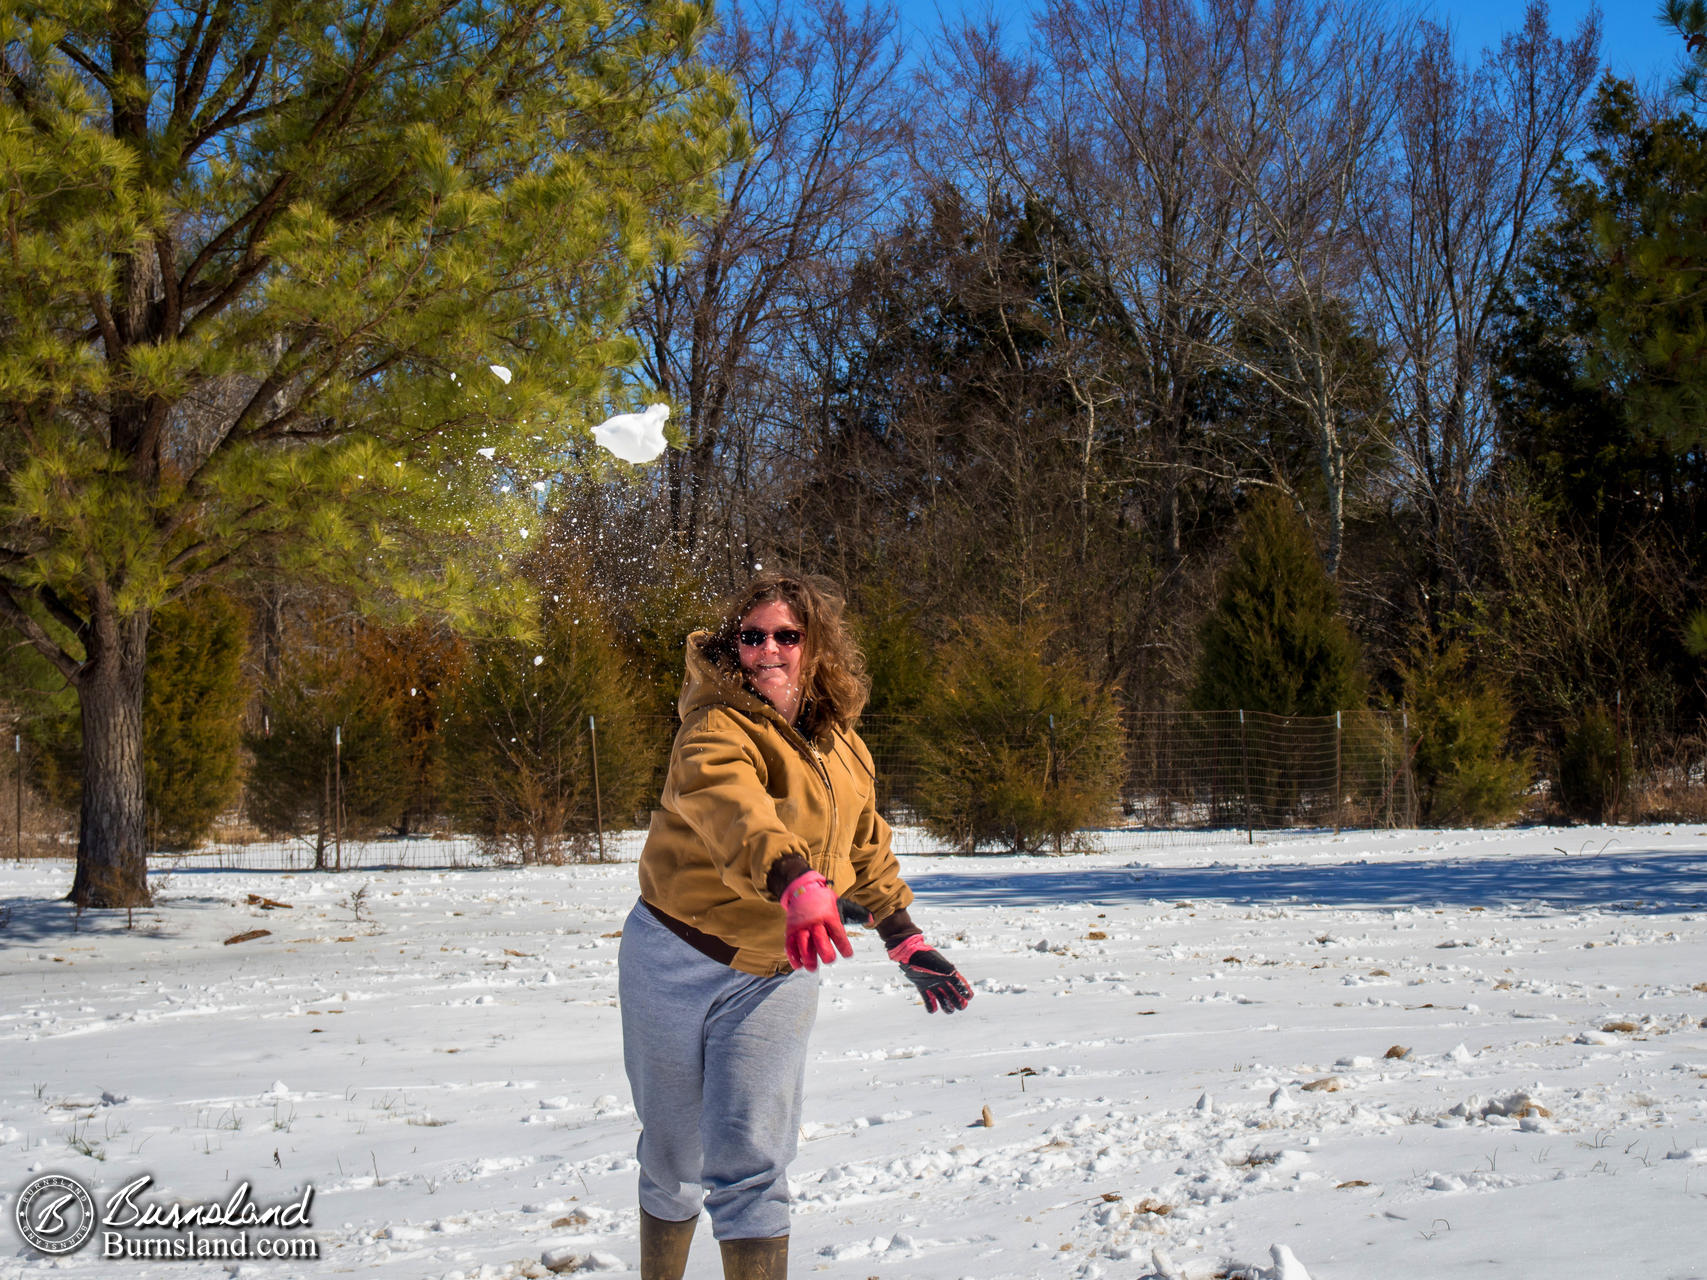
{"x":538,"y":659}
{"x":634,"y":437}
{"x":487,"y":453}
{"x":502,"y":372}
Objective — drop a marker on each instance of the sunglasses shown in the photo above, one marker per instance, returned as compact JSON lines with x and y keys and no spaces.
{"x":786,"y":637}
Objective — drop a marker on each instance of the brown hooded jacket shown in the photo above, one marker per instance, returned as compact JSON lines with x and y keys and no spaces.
{"x":745,"y":788}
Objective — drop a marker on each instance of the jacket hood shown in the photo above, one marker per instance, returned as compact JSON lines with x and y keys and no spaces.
{"x":710,"y":684}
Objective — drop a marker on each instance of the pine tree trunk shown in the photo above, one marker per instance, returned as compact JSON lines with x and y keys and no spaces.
{"x":112,"y":865}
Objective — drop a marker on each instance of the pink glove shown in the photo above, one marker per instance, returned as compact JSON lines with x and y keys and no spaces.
{"x":814,"y":921}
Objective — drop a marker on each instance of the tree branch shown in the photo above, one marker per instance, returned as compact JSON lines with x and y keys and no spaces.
{"x":101,"y":75}
{"x":33,"y":631}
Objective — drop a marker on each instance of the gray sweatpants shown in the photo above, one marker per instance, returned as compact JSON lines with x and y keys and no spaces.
{"x":717,"y":1062}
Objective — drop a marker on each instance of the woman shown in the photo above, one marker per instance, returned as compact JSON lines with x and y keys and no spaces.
{"x":767,"y":815}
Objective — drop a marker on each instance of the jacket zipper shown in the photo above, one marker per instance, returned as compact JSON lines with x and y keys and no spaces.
{"x":824,"y":773}
{"x":817,"y":758}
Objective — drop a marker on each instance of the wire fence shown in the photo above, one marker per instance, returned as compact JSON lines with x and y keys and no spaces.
{"x":393,"y":853}
{"x":1206,"y":777}
{"x":1198,"y":777}
{"x":1262,"y":772}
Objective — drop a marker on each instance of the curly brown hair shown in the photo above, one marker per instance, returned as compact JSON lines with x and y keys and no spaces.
{"x":834,"y":686}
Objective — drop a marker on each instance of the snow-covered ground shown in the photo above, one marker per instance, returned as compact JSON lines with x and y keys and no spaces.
{"x":1451,"y":1054}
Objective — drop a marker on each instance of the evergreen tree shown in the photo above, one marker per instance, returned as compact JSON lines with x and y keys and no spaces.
{"x":413,"y":669}
{"x":258,"y":260}
{"x":902,"y":668}
{"x":1644,"y":202}
{"x":1600,"y":380}
{"x":331,"y":756}
{"x":1275,"y":641}
{"x":193,"y":715}
{"x":1595,"y":773}
{"x":1011,"y":748}
{"x":1688,"y":18}
{"x":1598,"y":528}
{"x":46,"y":721}
{"x":653,"y":619}
{"x":1460,"y":722}
{"x":192,"y":718}
{"x":974,"y":449}
{"x":517,"y":731}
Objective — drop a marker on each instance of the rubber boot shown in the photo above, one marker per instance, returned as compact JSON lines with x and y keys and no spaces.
{"x":755,"y":1259}
{"x":664,"y":1247}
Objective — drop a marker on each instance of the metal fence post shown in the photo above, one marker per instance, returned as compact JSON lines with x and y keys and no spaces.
{"x":1405,"y":763}
{"x":1387,"y":779}
{"x":1617,"y":755}
{"x":598,"y":803}
{"x":1053,"y":778}
{"x":1245,"y":778}
{"x":338,"y":797}
{"x":1339,"y":786}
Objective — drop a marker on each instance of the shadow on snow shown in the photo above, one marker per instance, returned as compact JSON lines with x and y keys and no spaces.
{"x":32,"y":920}
{"x":1652,"y":882}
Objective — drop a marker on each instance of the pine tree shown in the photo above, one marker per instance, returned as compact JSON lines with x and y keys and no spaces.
{"x":1688,"y":18}
{"x":901,"y":665}
{"x":1596,"y":532}
{"x":1640,"y":198}
{"x":1595,"y":773}
{"x":1275,"y":642}
{"x":302,"y":288}
{"x":45,"y":710}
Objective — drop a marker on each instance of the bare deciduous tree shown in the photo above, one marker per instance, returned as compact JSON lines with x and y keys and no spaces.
{"x":1294,"y":132}
{"x":1458,"y":197}
{"x":1193,"y":164}
{"x":1128,"y":146}
{"x":825,"y":117}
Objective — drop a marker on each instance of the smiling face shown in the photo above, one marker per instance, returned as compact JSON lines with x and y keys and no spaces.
{"x":772,"y":669}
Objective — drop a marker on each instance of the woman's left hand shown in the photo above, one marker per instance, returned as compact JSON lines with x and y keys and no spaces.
{"x":938,"y":981}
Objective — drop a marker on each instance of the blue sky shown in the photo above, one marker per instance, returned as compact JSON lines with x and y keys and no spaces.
{"x":1633,"y":43}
